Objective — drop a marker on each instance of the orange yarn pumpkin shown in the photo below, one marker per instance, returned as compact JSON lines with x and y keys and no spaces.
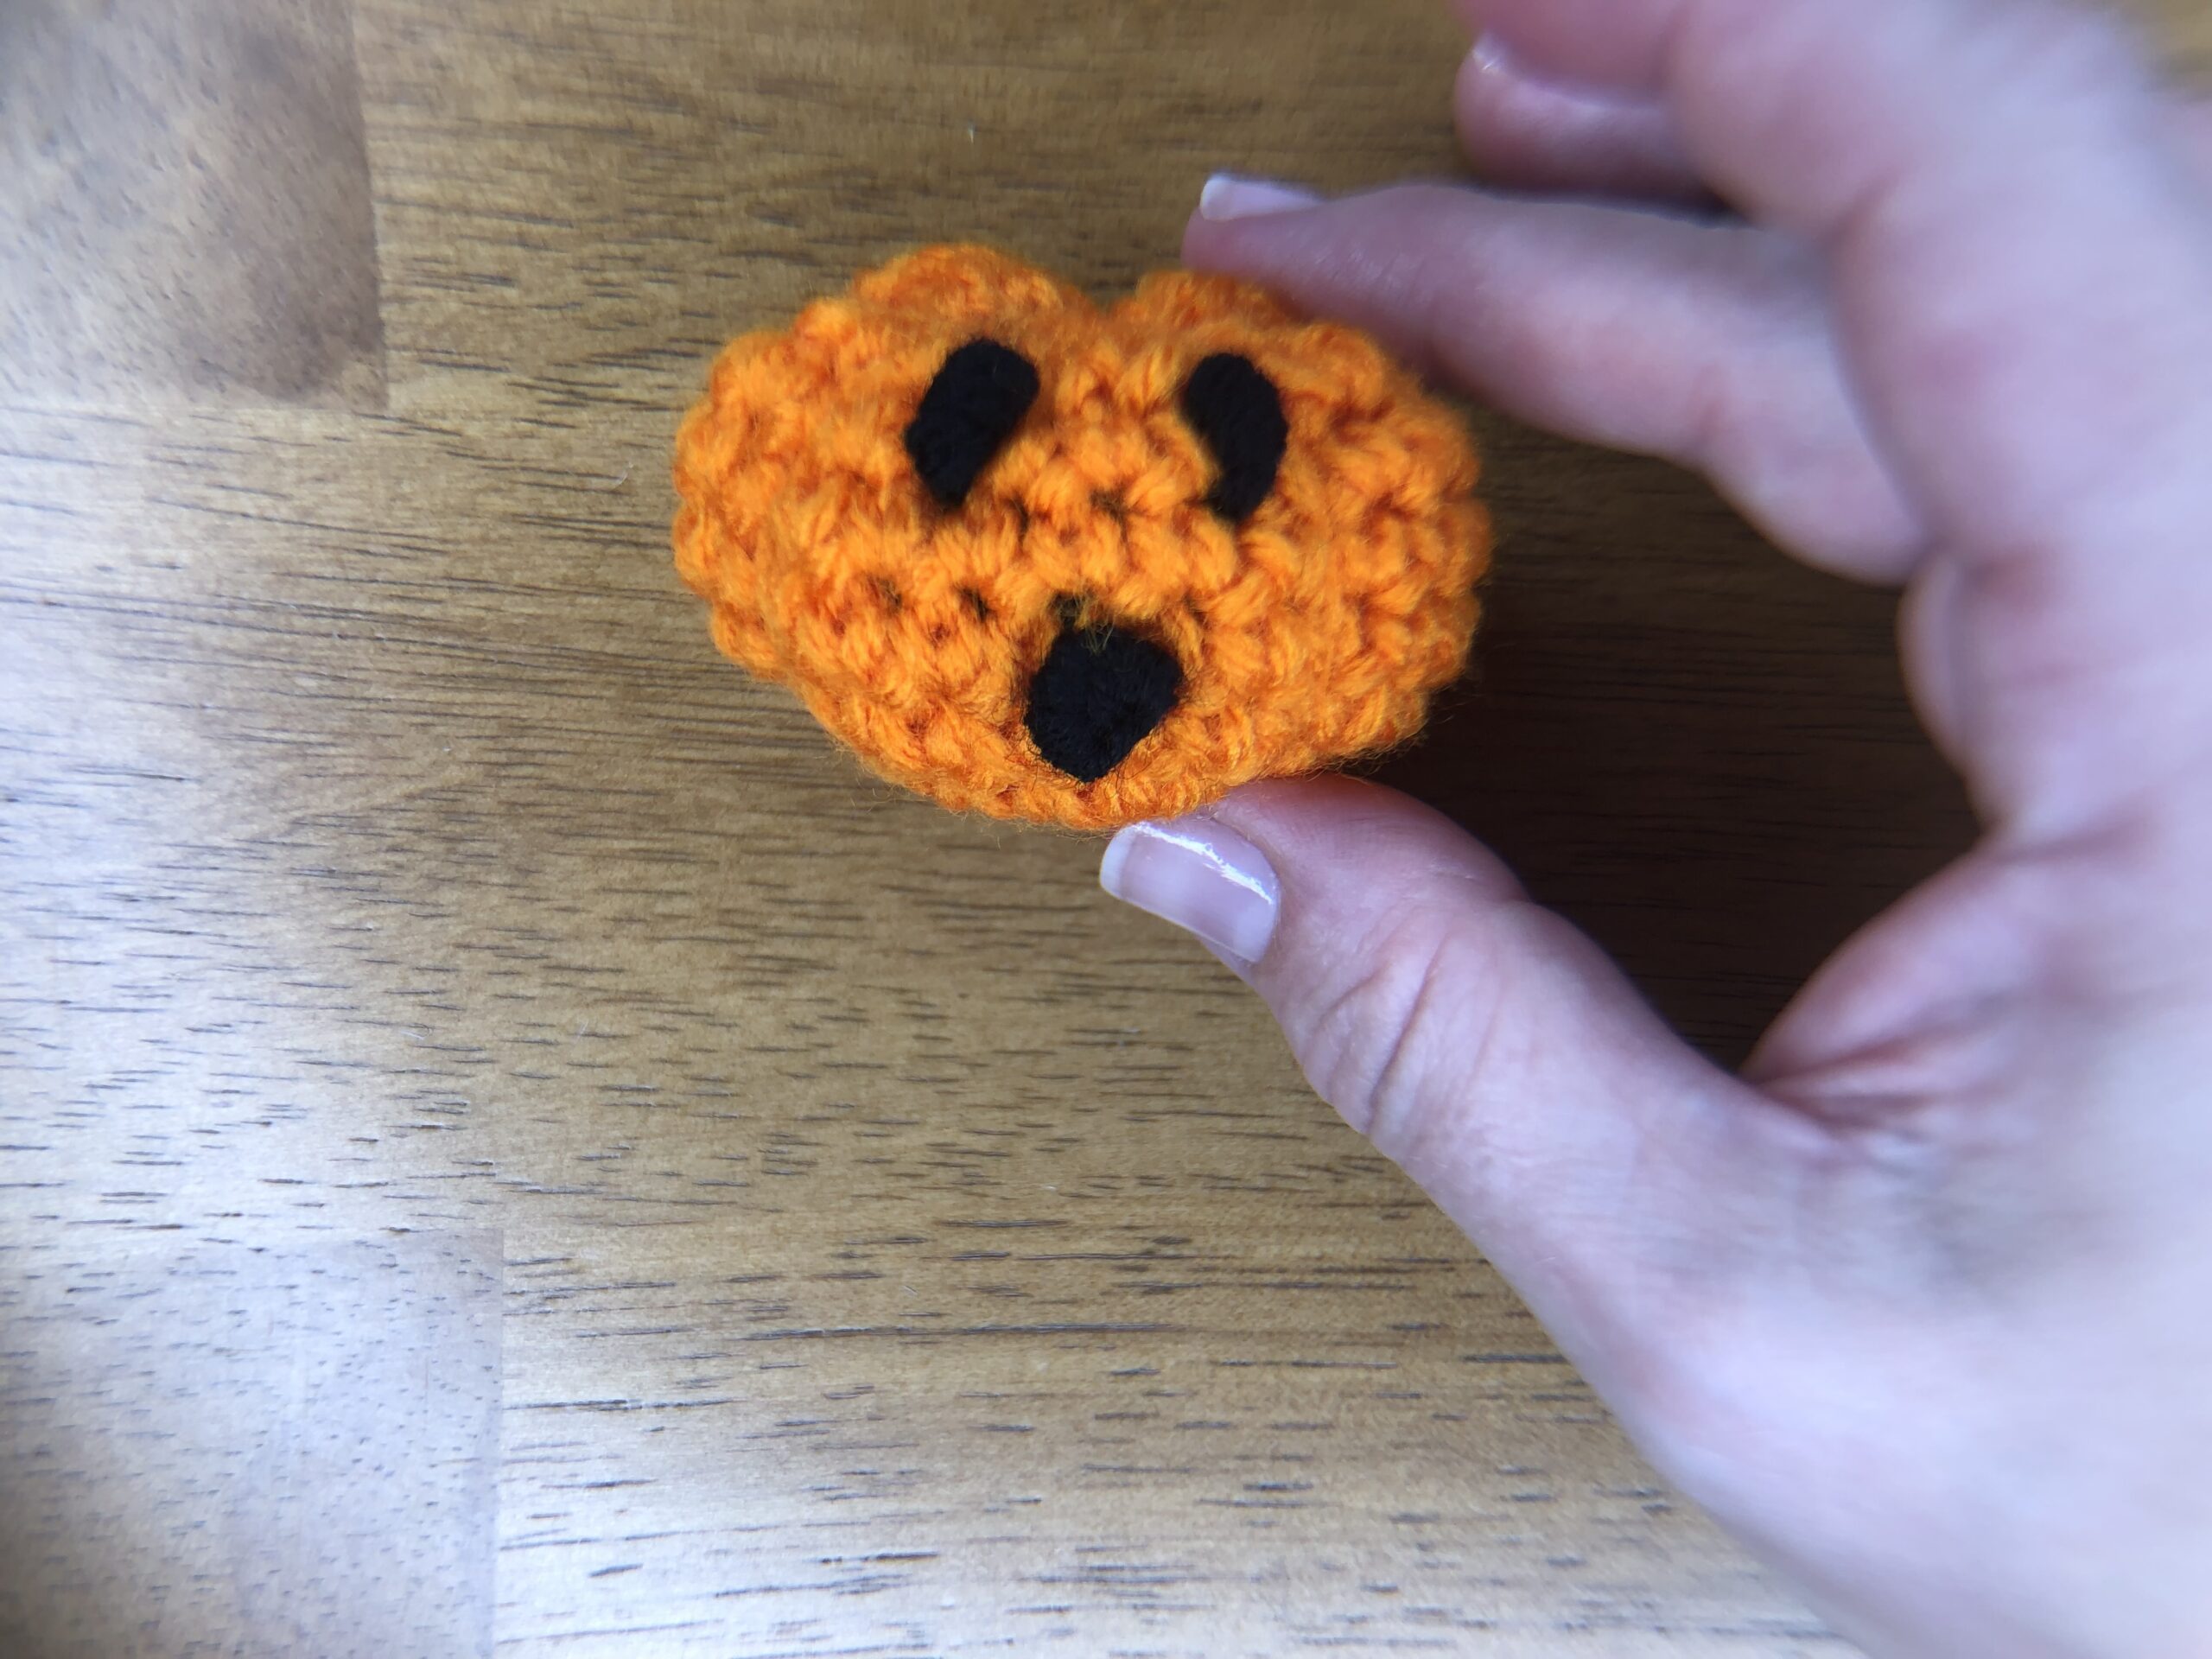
{"x":990,"y":595}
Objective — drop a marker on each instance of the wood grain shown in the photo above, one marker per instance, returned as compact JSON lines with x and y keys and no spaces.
{"x":509,"y":1139}
{"x":187,"y":190}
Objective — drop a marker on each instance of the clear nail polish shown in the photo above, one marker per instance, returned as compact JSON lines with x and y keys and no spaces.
{"x":1494,"y":57}
{"x":1227,"y":196}
{"x":1201,"y":875}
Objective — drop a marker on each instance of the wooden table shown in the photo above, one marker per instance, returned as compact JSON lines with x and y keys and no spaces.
{"x":510,"y":1136}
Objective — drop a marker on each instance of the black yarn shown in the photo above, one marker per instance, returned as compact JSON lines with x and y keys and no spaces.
{"x":971,"y":408}
{"x":1098,"y":694}
{"x":1238,"y":411}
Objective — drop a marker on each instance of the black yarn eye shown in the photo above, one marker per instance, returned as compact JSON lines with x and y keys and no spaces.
{"x":1238,"y":411}
{"x":971,"y":408}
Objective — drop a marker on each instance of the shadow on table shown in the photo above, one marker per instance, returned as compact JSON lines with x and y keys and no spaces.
{"x":1700,"y":751}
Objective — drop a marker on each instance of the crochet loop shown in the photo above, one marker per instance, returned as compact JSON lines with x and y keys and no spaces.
{"x":1041,"y":559}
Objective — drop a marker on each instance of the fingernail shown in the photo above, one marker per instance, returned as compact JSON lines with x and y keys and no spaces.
{"x":1199,"y":875}
{"x":1227,"y":195}
{"x":1492,"y":56}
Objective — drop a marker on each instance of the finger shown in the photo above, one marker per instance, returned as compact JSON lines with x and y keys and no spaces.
{"x":1522,"y":129}
{"x":1530,"y":134}
{"x":2020,"y":251}
{"x":1978,"y":169}
{"x":1705,"y":343}
{"x":1484,"y":1045}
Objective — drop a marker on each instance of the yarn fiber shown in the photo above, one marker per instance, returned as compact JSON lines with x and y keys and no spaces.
{"x":912,"y":500}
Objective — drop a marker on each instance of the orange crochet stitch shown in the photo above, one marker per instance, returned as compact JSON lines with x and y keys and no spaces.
{"x":1044,"y":561}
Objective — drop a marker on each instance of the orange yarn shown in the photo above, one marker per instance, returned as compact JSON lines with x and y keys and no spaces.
{"x":1313,"y":631}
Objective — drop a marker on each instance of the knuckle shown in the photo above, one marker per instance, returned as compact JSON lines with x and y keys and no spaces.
{"x":1413,"y":1010}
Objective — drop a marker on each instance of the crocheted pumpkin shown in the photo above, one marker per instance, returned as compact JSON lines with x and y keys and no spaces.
{"x":1044,"y":561}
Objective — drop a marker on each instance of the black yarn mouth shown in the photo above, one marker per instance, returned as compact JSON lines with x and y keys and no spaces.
{"x":1100,"y":691}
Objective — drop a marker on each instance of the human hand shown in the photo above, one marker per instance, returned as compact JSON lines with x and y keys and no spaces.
{"x":1962,"y":340}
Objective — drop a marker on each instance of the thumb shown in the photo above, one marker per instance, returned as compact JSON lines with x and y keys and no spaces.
{"x":1481,"y":1044}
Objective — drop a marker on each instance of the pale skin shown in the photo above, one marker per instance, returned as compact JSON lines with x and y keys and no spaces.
{"x":1865,"y":1299}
